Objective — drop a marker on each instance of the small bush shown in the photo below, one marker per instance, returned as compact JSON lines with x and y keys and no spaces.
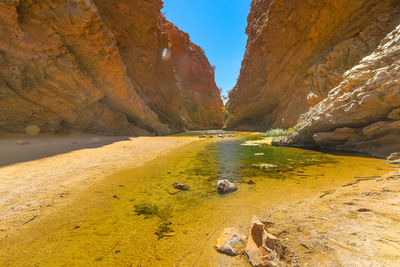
{"x":277,"y":132}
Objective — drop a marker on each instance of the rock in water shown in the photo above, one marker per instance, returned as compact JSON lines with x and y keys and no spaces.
{"x":261,"y":245}
{"x":230,"y":242}
{"x":264,"y":166}
{"x":225,"y":186}
{"x":181,"y":186}
{"x":95,"y":140}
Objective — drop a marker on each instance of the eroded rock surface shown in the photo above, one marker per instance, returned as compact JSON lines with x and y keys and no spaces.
{"x":297,"y":52}
{"x":96,"y":65}
{"x":361,"y":113}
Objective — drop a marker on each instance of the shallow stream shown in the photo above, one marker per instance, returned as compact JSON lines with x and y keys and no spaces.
{"x":137,"y":218}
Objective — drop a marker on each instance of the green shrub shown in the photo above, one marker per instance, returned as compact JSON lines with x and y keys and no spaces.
{"x":278,"y":132}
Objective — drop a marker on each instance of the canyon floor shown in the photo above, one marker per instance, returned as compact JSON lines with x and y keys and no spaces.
{"x":49,"y":171}
{"x":354,"y":224}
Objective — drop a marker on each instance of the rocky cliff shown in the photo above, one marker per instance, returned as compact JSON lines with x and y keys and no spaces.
{"x":96,"y":65}
{"x":195,"y":79}
{"x":362,"y":113}
{"x":297,"y":52}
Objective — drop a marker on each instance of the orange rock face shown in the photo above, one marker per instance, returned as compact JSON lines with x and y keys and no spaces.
{"x":201,"y":98}
{"x":95,"y":65}
{"x":297,"y":52}
{"x":361,"y":113}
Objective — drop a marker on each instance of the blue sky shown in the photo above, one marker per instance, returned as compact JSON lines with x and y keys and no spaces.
{"x":218,"y":26}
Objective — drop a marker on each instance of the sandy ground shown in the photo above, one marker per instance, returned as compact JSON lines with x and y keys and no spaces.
{"x":354,"y":225}
{"x":49,"y":171}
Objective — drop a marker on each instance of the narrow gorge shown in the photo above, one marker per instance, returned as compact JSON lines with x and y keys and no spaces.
{"x":120,"y":144}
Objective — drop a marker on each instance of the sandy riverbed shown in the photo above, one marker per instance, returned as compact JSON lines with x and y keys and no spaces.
{"x":38,"y":177}
{"x":357,"y":224}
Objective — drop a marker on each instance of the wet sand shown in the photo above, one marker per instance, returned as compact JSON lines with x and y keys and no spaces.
{"x":39,"y":177}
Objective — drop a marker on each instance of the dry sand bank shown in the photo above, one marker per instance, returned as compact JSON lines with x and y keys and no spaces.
{"x":41,"y":176}
{"x":354,"y":225}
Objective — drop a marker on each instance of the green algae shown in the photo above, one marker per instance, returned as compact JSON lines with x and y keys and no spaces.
{"x":164,"y":230}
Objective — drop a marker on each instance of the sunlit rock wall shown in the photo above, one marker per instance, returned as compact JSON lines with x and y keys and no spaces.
{"x":91,"y":65}
{"x":298,"y":51}
{"x":201,"y":98}
{"x":362,"y":113}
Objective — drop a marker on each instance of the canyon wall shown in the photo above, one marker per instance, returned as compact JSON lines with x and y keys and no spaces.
{"x":297,"y":52}
{"x":329,"y":68}
{"x":195,"y":76}
{"x":96,"y":66}
{"x":363,"y":112}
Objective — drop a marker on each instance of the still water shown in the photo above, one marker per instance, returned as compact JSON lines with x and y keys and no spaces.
{"x":137,"y":218}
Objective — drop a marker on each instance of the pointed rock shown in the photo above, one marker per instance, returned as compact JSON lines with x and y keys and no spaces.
{"x":230,"y":242}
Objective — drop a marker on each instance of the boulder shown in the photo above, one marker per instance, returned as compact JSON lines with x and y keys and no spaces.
{"x":32,"y":129}
{"x":230,"y":242}
{"x":225,"y":186}
{"x":261,"y":245}
{"x":394,"y":156}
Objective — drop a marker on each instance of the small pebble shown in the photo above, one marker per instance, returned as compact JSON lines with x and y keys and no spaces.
{"x":95,"y":140}
{"x":22,"y":142}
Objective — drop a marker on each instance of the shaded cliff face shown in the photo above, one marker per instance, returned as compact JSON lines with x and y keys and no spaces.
{"x":299,"y":51}
{"x":363,"y":112}
{"x":89,"y":65}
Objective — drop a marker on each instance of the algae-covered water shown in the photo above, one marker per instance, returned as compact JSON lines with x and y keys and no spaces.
{"x":137,"y":218}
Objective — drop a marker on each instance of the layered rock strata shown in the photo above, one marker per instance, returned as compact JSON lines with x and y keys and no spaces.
{"x":362,"y":113}
{"x":96,"y":66}
{"x":297,"y":52}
